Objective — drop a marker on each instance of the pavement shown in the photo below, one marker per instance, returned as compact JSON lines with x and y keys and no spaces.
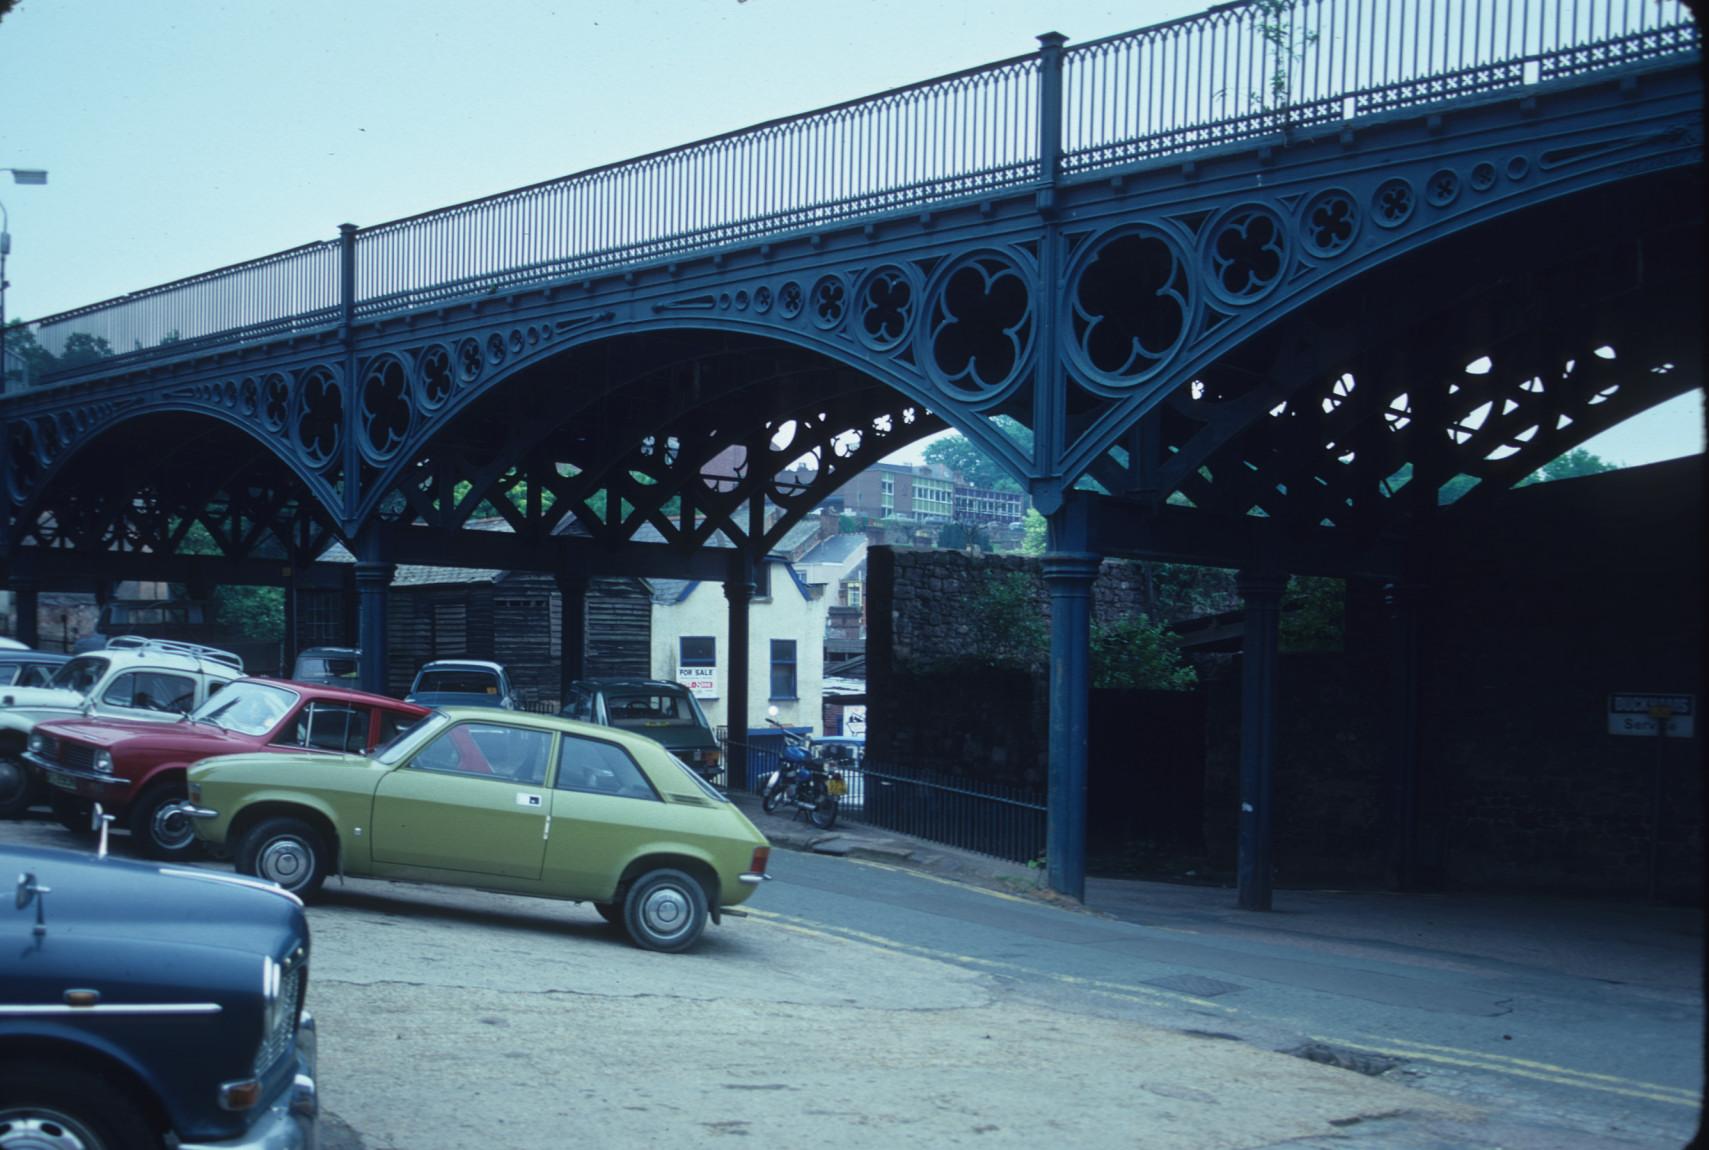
{"x":1625,"y":941}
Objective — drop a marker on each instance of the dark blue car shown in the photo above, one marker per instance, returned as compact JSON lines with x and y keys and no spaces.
{"x":139,"y":1001}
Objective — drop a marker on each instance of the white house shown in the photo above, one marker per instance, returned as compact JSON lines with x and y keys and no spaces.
{"x":786,"y":644}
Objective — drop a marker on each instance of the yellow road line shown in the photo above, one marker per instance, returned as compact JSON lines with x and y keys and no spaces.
{"x":959,"y":884}
{"x":1550,"y":1067}
{"x":1560,"y":1076}
{"x":1113,"y":989}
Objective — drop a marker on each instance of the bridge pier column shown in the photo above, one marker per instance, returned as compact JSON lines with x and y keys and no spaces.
{"x":1407,"y":869}
{"x":572,"y":630}
{"x":373,"y":580}
{"x":25,"y":607}
{"x":288,"y":642}
{"x":1069,"y":576}
{"x":1262,"y":591}
{"x":740,"y":592}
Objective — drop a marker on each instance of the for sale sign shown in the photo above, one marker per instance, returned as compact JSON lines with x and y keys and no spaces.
{"x":1644,"y":713}
{"x":702,"y":682}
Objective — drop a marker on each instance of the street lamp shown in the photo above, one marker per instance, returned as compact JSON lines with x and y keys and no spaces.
{"x":19,"y":176}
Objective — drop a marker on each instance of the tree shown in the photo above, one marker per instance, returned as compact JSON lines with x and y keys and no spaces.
{"x":256,"y":612}
{"x":958,"y":453}
{"x":1575,"y":463}
{"x":963,"y":537}
{"x":1035,"y":533}
{"x":1007,"y":624}
{"x":1136,"y":653}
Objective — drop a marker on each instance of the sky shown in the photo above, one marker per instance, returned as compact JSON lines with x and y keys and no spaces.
{"x":184,"y":135}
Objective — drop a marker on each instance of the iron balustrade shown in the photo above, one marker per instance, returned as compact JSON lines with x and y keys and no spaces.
{"x":1242,"y":71}
{"x":987,"y":818}
{"x":1235,"y":73}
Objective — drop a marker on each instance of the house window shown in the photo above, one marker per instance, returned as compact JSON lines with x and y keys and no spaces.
{"x":697,"y":665}
{"x":320,"y":618}
{"x":851,"y":590}
{"x":783,"y":668}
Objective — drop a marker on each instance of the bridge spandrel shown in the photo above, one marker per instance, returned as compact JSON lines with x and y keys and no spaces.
{"x":1079,"y":317}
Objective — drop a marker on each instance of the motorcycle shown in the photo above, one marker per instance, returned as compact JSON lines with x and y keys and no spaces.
{"x":803,"y":782}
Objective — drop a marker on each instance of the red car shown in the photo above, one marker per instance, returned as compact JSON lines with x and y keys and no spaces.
{"x":136,"y":769}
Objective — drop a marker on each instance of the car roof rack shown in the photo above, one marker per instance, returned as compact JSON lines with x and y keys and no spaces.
{"x":175,"y":647}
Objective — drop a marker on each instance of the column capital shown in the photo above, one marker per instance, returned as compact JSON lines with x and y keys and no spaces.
{"x":739,"y":590}
{"x":1071,"y":566}
{"x":373,"y":574}
{"x":1261,"y":585}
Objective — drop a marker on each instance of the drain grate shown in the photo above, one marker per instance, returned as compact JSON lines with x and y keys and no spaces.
{"x":1196,"y":985}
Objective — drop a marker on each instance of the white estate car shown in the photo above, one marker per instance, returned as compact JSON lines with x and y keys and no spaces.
{"x":154,"y":679}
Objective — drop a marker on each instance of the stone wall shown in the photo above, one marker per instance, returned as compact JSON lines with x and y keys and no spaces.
{"x":1527,"y":622}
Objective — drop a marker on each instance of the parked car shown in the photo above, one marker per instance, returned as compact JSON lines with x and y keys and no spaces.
{"x":462,"y":683}
{"x":136,"y":770}
{"x":141,"y":1003}
{"x":155,"y":679}
{"x":22,"y":667}
{"x":330,"y":666}
{"x":502,"y":801}
{"x":7,"y":643}
{"x":667,"y":713}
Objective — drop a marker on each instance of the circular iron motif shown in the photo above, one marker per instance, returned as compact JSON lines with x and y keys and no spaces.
{"x":762,"y":299}
{"x":23,"y":468}
{"x":1392,"y":205}
{"x":469,"y":360}
{"x":275,"y":402}
{"x":885,"y":306}
{"x":1130,"y":301}
{"x":1483,"y":176}
{"x":830,"y":301}
{"x":978,"y":327}
{"x":385,"y":408}
{"x":1518,"y":168}
{"x":248,"y":397}
{"x":789,"y":300}
{"x":1443,"y":188}
{"x":433,"y":381}
{"x":1246,"y":254}
{"x":1329,"y":223}
{"x":320,"y":417}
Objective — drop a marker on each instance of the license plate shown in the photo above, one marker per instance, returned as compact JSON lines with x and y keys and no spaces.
{"x":838,"y":788}
{"x":62,"y":782}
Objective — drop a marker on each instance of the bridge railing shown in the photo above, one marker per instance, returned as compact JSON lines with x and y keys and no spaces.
{"x":1242,"y":71}
{"x":1235,"y":73}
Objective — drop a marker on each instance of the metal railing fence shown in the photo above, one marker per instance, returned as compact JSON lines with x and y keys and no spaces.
{"x":1246,"y":70}
{"x":1233,"y":73}
{"x":987,"y":818}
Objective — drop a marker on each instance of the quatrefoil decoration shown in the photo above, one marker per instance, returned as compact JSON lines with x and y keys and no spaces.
{"x":886,"y":304}
{"x":1392,"y":205}
{"x":1129,"y":306}
{"x":1247,"y":254}
{"x":980,"y":328}
{"x":23,"y":466}
{"x":275,"y":402}
{"x":830,"y":301}
{"x":434,"y":379}
{"x":1329,"y":223}
{"x":385,"y":410}
{"x":320,"y":417}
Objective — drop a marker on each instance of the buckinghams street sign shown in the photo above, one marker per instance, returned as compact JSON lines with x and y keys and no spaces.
{"x":1641,"y":714}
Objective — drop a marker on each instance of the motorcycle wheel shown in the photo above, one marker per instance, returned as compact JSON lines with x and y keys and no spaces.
{"x":774,"y":798}
{"x":824,"y":813}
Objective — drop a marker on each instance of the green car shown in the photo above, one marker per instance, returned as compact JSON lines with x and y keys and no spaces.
{"x":504,"y":801}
